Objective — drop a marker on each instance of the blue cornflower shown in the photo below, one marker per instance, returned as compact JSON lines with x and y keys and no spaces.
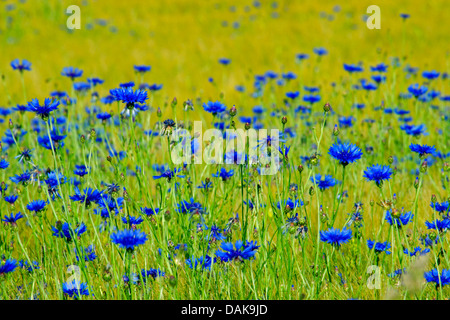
{"x":72,"y":72}
{"x":378,"y":78}
{"x":47,"y":143}
{"x":134,"y":278}
{"x":397,"y":272}
{"x":111,"y":188}
{"x":224,"y":61}
{"x":128,"y":96}
{"x":440,"y":279}
{"x":234,"y":157}
{"x":75,"y":289}
{"x":428,"y":241}
{"x":25,"y":265}
{"x":43,"y":111}
{"x":36,"y":205}
{"x":132,"y":221}
{"x":80,"y":170}
{"x":216,"y":234}
{"x":149,"y":211}
{"x":58,"y":94}
{"x":214,"y":107}
{"x":284,"y":152}
{"x":416,"y":251}
{"x":20,"y":108}
{"x":368,"y":86}
{"x":289,"y":76}
{"x":128,"y":84}
{"x":8,"y":266}
{"x":302,"y":56}
{"x":293,"y":95}
{"x":94,"y":81}
{"x":154,"y":273}
{"x":90,"y":195}
{"x":291,"y":222}
{"x":25,"y":65}
{"x":108,"y":205}
{"x":53,"y":181}
{"x":10,"y":136}
{"x":4,"y":112}
{"x":352,"y":68}
{"x":401,"y":220}
{"x":346,"y":122}
{"x":356,"y":216}
{"x":271,"y":74}
{"x":142,"y":69}
{"x":379,"y":68}
{"x":250,"y":204}
{"x":270,"y":139}
{"x":404,"y":16}
{"x":66,"y":231}
{"x":320,"y":51}
{"x":223,"y":174}
{"x":422,"y":150}
{"x":103,"y":116}
{"x":325,"y":183}
{"x":23,"y":178}
{"x":289,"y":204}
{"x":25,"y":154}
{"x":108,"y":99}
{"x":311,"y":89}
{"x":205,"y":262}
{"x":195,"y":209}
{"x":336,"y":237}
{"x":205,"y":186}
{"x":169,"y":174}
{"x":439,"y":207}
{"x":12,"y":218}
{"x":417,"y":90}
{"x":401,"y":112}
{"x":239,"y":252}
{"x":379,"y":246}
{"x":310,"y":98}
{"x":11,"y":199}
{"x":378,"y":173}
{"x":89,"y":254}
{"x":155,"y":87}
{"x":56,"y":136}
{"x":239,"y":88}
{"x":432,"y":94}
{"x":411,"y":70}
{"x":81,"y":87}
{"x":414,"y":130}
{"x":430,"y":75}
{"x":245,"y":119}
{"x":4,"y":164}
{"x":345,"y":153}
{"x":258,"y":109}
{"x":440,"y":225}
{"x":129,"y":238}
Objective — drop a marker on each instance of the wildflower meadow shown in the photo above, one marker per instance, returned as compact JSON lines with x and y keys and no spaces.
{"x":224,"y":150}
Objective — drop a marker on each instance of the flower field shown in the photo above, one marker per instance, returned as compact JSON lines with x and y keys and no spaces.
{"x":202,"y":150}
